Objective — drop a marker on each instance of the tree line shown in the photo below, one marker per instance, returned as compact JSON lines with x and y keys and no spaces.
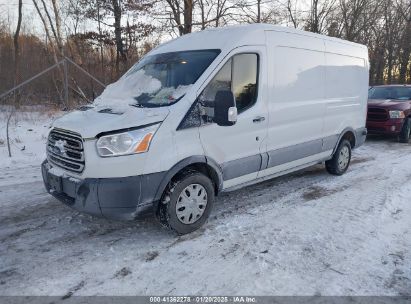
{"x":106,"y":37}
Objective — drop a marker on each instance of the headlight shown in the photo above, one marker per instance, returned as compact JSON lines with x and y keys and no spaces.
{"x":397,"y":114}
{"x":125,"y":143}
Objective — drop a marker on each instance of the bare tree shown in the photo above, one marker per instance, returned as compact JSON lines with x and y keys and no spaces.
{"x":181,"y":15}
{"x":258,"y":17}
{"x":121,"y":54}
{"x":320,"y":11}
{"x":57,"y":18}
{"x":74,"y":10}
{"x":214,"y":13}
{"x":54,"y":25}
{"x":392,"y":28}
{"x":16,"y":71}
{"x":405,"y":41}
{"x":292,"y":12}
{"x":356,"y":17}
{"x":256,"y":11}
{"x":16,"y":45}
{"x":106,"y":36}
{"x":7,"y":130}
{"x":52,"y":43}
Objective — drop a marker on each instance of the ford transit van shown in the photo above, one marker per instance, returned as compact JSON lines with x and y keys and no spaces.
{"x":206,"y":113}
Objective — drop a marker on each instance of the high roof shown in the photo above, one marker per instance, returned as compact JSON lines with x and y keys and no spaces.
{"x":233,"y":36}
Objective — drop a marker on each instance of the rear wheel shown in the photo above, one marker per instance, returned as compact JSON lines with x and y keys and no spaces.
{"x":405,"y":132}
{"x":341,"y":159}
{"x":187,"y":202}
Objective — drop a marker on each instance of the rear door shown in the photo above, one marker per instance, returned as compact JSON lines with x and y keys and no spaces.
{"x":238,"y":148}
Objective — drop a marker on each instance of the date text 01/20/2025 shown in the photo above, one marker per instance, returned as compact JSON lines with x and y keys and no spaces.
{"x":204,"y":299}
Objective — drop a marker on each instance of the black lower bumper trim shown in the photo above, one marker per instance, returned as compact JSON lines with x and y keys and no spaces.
{"x":122,"y":198}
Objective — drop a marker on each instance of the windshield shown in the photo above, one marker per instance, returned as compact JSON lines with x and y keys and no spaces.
{"x":397,"y":93}
{"x":159,"y":80}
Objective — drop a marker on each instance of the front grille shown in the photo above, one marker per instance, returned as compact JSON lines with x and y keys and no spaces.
{"x":65,"y":150}
{"x":377,"y":114}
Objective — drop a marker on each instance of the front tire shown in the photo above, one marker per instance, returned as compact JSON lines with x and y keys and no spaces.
{"x":405,"y":132}
{"x":187,"y":202}
{"x":341,"y":159}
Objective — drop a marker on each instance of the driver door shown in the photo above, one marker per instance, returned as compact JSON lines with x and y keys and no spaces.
{"x":239,"y":148}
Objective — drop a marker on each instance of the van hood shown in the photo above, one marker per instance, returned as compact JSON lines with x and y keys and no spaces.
{"x":89,"y":121}
{"x":390,"y":104}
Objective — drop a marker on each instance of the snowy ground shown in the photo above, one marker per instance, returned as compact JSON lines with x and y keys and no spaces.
{"x":307,"y":233}
{"x":28,"y":134}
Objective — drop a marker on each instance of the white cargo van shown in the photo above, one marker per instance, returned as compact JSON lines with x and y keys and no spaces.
{"x":206,"y":113}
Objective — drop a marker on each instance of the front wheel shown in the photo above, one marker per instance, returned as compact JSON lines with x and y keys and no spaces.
{"x":405,"y":132}
{"x":187,"y":202}
{"x":341,"y":159}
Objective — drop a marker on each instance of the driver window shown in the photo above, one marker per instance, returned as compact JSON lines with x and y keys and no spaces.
{"x":220,"y":82}
{"x":239,"y":75}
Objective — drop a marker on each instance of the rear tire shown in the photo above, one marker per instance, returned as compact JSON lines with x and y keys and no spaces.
{"x":340,"y":162}
{"x":405,"y":132}
{"x":187,"y":202}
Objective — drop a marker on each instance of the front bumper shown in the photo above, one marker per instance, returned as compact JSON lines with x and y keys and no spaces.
{"x":389,"y":127}
{"x":122,"y":198}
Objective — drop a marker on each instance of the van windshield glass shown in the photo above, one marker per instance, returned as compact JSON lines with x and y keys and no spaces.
{"x":397,"y":93}
{"x":161,"y":79}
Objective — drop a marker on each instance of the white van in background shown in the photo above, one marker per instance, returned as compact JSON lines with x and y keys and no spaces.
{"x":210,"y":112}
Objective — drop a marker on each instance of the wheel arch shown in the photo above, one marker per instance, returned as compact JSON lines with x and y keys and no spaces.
{"x":199,"y":163}
{"x":348,"y":134}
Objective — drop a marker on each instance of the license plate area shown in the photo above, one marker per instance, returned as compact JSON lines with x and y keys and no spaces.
{"x":55,"y":182}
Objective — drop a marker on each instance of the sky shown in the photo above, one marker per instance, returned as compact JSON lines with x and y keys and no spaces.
{"x":8,"y":13}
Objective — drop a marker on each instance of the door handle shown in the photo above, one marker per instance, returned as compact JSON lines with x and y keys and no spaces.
{"x":259,"y":119}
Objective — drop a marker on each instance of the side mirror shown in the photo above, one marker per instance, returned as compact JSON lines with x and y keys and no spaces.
{"x":225,"y":110}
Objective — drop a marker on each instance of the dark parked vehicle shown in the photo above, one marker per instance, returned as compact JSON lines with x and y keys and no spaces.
{"x":389,"y":111}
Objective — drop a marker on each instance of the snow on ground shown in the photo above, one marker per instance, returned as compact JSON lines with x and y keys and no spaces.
{"x":307,"y":233}
{"x":28,"y":135}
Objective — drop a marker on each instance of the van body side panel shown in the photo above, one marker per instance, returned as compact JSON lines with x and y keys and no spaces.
{"x":346,"y":88}
{"x":296,"y":98}
{"x":278,"y":170}
{"x":288,"y":154}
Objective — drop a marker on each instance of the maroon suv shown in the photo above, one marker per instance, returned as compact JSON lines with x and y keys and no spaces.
{"x":389,"y":111}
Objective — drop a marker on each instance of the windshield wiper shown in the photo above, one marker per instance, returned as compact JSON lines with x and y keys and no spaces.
{"x":143,"y":101}
{"x":137,"y":105}
{"x":110,"y":111}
